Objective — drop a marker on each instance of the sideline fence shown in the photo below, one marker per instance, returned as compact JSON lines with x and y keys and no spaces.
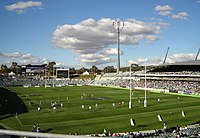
{"x":39,"y":135}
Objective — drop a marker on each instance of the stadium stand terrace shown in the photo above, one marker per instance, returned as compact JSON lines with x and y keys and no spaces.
{"x":177,"y":77}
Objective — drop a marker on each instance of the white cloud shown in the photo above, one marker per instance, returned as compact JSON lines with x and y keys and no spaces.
{"x":112,"y":51}
{"x":180,"y":15}
{"x":61,"y":64}
{"x":96,"y":36}
{"x":164,"y":13}
{"x":10,"y":55}
{"x":91,"y":59}
{"x":20,"y":7}
{"x":132,"y":62}
{"x":27,"y":56}
{"x":106,"y":56}
{"x":167,"y":11}
{"x":95,"y":59}
{"x":23,"y":59}
{"x":180,"y":57}
{"x":163,"y":8}
{"x":152,"y":38}
{"x":90,"y":36}
{"x":163,"y":24}
{"x":139,"y":61}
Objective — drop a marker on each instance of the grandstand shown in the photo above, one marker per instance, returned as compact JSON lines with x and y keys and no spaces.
{"x":185,"y":76}
{"x":176,"y":77}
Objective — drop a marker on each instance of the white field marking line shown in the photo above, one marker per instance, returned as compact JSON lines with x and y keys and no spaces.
{"x":18,"y":120}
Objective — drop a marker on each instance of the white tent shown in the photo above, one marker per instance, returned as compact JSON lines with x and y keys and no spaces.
{"x":86,"y":73}
{"x":11,"y":74}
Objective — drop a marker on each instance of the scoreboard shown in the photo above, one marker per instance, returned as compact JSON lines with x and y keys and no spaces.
{"x":33,"y":69}
{"x":62,"y":73}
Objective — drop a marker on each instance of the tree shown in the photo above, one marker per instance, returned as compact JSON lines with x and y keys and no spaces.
{"x":4,"y":69}
{"x":93,"y":69}
{"x":50,"y":67}
{"x":13,"y":66}
{"x":109,"y":69}
{"x":72,"y":70}
{"x":134,"y":67}
{"x":81,"y":70}
{"x":19,"y":70}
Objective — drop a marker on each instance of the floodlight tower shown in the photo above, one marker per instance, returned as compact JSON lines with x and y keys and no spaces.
{"x":197,"y":54}
{"x":119,"y":25}
{"x":166,"y":55}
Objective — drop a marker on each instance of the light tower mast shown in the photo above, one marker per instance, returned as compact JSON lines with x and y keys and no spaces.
{"x":118,"y":26}
{"x":197,"y":54}
{"x":166,"y":55}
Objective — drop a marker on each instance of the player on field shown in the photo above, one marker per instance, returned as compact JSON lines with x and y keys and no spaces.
{"x":90,"y":108}
{"x":38,"y":108}
{"x":158,"y":100}
{"x":122,"y":103}
{"x":113,"y":105}
{"x":96,"y":105}
{"x":82,"y":107}
{"x":61,"y":105}
{"x":54,"y":108}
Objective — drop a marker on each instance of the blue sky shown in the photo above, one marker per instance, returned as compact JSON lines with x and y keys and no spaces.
{"x":76,"y":33}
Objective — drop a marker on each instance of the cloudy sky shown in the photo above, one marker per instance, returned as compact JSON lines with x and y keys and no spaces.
{"x":76,"y":33}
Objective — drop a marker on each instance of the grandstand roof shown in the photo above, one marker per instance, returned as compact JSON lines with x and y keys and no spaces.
{"x":186,"y":63}
{"x":193,"y":65}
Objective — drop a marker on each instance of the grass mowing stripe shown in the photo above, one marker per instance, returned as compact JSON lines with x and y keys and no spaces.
{"x":104,"y":111}
{"x":163,"y":112}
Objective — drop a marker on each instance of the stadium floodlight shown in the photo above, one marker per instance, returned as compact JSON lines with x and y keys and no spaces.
{"x":196,"y":58}
{"x":145,"y":93}
{"x":166,"y":55}
{"x":119,"y":26}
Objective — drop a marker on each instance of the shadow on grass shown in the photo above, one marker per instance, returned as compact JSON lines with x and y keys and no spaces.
{"x":10,"y":104}
{"x":47,"y":130}
{"x":1,"y":127}
{"x":142,"y":125}
{"x":198,"y":122}
{"x":5,"y":116}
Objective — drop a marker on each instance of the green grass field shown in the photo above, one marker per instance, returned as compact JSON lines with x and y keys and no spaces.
{"x":71,"y":118}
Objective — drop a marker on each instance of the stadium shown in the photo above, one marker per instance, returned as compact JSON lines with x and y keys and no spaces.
{"x":109,"y":105}
{"x":87,"y":69}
